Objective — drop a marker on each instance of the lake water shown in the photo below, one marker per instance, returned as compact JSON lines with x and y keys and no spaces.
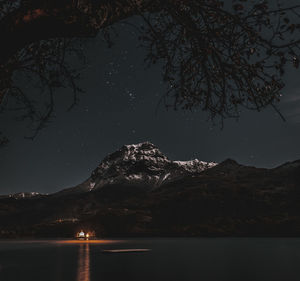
{"x":201,"y":259}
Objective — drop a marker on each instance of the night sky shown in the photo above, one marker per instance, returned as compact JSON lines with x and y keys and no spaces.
{"x":120,"y":106}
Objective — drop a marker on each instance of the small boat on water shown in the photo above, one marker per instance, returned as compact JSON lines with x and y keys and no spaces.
{"x":121,"y":251}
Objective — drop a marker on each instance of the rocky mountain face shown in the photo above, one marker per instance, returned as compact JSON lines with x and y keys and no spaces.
{"x":138,"y":191}
{"x":143,"y":164}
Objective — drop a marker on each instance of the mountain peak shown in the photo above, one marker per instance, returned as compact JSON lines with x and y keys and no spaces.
{"x":143,"y":164}
{"x":141,"y":145}
{"x":229,"y":162}
{"x":287,"y":165}
{"x":135,"y":152}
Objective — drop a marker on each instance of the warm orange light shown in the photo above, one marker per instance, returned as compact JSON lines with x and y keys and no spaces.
{"x":88,"y":241}
{"x":83,"y":273}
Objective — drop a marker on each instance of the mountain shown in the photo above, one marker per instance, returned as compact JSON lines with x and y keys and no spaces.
{"x":138,"y":191}
{"x":142,"y":165}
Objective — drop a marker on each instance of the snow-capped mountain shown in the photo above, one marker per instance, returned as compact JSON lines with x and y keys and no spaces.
{"x":142,"y":164}
{"x":137,"y":190}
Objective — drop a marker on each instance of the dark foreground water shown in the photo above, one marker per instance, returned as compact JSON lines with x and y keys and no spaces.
{"x":232,"y":259}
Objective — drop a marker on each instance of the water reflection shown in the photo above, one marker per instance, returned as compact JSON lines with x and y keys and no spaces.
{"x":83,"y":264}
{"x":65,"y":242}
{"x":83,"y":272}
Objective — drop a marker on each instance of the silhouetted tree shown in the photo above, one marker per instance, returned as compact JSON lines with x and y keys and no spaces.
{"x":219,"y":56}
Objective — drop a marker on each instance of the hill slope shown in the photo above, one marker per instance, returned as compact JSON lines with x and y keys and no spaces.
{"x":137,"y":191}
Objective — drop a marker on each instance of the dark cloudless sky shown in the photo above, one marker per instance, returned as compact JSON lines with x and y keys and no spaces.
{"x":119,"y":107}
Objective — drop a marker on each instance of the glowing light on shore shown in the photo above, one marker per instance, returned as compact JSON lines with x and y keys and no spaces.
{"x":103,"y":241}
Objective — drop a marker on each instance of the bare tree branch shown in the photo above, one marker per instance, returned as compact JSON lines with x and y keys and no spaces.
{"x":215,"y":57}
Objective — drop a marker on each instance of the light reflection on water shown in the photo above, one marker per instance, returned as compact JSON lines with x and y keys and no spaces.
{"x":189,"y":259}
{"x":83,"y":272}
{"x":83,"y":268}
{"x":80,"y":271}
{"x":86,"y":241}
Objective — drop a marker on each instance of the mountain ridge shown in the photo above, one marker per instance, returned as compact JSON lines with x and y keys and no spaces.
{"x":143,"y":164}
{"x":194,"y":199}
{"x":140,"y":164}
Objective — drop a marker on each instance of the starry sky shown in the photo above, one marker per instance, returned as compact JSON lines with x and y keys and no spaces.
{"x":121,"y":106}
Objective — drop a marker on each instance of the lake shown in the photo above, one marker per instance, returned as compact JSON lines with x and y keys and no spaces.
{"x":201,"y":259}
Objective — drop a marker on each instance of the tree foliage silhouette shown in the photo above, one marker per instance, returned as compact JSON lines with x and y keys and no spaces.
{"x":219,"y":56}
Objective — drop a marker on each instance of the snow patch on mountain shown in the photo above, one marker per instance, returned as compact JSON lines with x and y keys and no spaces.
{"x":195,"y":165}
{"x":142,"y":164}
{"x":23,"y":195}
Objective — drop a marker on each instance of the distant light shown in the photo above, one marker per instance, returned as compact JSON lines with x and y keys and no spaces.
{"x":85,"y":235}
